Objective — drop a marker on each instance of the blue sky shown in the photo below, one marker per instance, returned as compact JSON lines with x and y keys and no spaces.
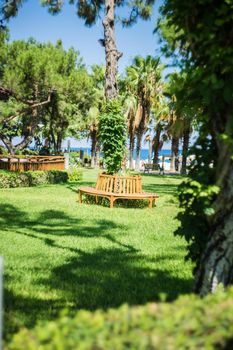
{"x":33,"y":20}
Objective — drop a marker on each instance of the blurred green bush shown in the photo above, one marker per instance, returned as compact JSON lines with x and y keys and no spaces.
{"x":31,"y":178}
{"x":188,"y":323}
{"x":75,"y":173}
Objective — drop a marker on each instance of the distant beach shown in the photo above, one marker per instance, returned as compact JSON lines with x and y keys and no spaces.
{"x":143,"y":153}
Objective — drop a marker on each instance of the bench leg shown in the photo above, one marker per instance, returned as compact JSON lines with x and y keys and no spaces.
{"x":80,"y":197}
{"x":150,"y":202}
{"x":111,"y":202}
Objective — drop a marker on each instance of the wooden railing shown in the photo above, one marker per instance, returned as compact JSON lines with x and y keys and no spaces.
{"x":25,"y":163}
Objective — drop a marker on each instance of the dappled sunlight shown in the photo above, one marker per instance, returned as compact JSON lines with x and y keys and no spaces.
{"x":86,"y":256}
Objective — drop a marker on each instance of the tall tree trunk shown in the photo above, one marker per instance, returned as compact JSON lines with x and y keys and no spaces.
{"x":150,"y":150}
{"x":131,"y":149}
{"x":93,"y":148}
{"x":97,"y":153}
{"x":216,"y":266}
{"x":175,"y":154}
{"x":138,"y":149}
{"x":111,"y":53}
{"x":186,"y":138}
{"x":140,"y":132}
{"x":59,"y":142}
{"x":157,"y":143}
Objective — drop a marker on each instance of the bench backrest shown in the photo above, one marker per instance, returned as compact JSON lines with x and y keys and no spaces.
{"x":119,"y":184}
{"x":152,"y":166}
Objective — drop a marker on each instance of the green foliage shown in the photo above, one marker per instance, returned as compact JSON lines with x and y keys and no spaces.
{"x":44,"y":74}
{"x":75,"y":174}
{"x":188,"y":323}
{"x":195,"y":33}
{"x":3,"y":151}
{"x":112,"y":133}
{"x":197,"y":195}
{"x":31,"y":178}
{"x":91,"y":10}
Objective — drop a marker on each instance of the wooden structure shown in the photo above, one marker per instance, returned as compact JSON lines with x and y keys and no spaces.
{"x":118,"y":187}
{"x":25,"y":163}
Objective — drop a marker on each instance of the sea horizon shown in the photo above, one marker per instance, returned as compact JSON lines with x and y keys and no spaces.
{"x":144,"y":153}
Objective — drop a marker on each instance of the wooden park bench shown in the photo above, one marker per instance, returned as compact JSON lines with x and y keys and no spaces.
{"x":118,"y":187}
{"x":153,"y":167}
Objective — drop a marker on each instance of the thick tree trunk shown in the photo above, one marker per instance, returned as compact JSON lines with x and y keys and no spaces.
{"x":111,"y":52}
{"x":175,"y":153}
{"x":157,"y":143}
{"x":131,"y":149}
{"x":59,"y":142}
{"x":186,"y":138}
{"x":216,"y":266}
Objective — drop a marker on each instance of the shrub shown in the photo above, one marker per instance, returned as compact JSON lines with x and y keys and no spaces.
{"x":57,"y":176}
{"x":31,"y":178}
{"x":75,"y":174}
{"x":37,"y":177}
{"x":187,"y":323}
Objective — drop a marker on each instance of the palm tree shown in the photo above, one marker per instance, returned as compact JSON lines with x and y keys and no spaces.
{"x":180,"y":119}
{"x":92,"y":118}
{"x":160,"y":113}
{"x":143,"y":81}
{"x":130,"y":107}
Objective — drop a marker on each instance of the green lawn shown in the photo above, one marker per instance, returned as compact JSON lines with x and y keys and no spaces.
{"x":60,"y":254}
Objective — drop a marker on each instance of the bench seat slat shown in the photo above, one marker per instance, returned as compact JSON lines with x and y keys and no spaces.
{"x":92,"y":190}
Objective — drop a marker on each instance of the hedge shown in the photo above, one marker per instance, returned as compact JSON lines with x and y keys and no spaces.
{"x":187,"y":323}
{"x":31,"y":178}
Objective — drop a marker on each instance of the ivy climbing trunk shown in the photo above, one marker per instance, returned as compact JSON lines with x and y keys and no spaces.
{"x":112,"y":55}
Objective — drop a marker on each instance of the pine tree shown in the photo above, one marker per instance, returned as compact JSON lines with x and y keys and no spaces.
{"x":90,"y":10}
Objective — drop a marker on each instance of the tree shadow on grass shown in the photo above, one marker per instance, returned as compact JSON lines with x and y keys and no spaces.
{"x":99,"y":278}
{"x":108,"y":277}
